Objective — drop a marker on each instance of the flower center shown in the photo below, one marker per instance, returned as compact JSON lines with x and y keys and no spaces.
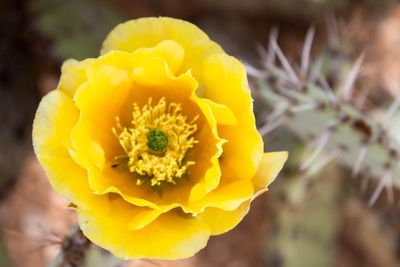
{"x":156,"y":142}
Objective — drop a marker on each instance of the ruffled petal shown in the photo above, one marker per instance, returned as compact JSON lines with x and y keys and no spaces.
{"x":270,"y":166}
{"x":99,"y":100}
{"x":55,"y":117}
{"x":171,"y":236}
{"x":221,"y":221}
{"x":168,"y":51}
{"x":228,"y":196}
{"x":222,"y":113}
{"x":211,"y":177}
{"x":123,"y":183}
{"x":225,"y":82}
{"x":142,"y":218}
{"x":148,"y":32}
{"x":155,"y":73}
{"x":73,"y":76}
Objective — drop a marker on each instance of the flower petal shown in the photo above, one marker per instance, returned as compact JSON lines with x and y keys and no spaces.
{"x":169,"y":51}
{"x":148,"y":32}
{"x":222,"y":113}
{"x":143,"y":218}
{"x":54,"y":119}
{"x":170,"y":236}
{"x":73,"y":76}
{"x":221,"y":221}
{"x":212,"y":142}
{"x":226,"y":83}
{"x":228,"y":196}
{"x":74,"y":72}
{"x":154,"y":72}
{"x":108,"y":180}
{"x":158,"y":66}
{"x":100,"y":99}
{"x":271,"y":164}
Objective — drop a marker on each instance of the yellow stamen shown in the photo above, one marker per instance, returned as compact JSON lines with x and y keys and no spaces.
{"x":156,"y":142}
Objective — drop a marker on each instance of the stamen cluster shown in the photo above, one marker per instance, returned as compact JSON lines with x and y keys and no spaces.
{"x":156,"y":142}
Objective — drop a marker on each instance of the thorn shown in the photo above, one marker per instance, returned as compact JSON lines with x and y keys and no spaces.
{"x":291,"y":94}
{"x":262,"y":54}
{"x":315,"y":71}
{"x":331,"y":125}
{"x":305,"y":107}
{"x":348,"y":87}
{"x":322,"y":142}
{"x":360,"y":159}
{"x":328,"y":90}
{"x":383,"y":183}
{"x":278,"y":73}
{"x":277,"y":112}
{"x":324,"y":162}
{"x":305,"y":55}
{"x":285,"y":63}
{"x":271,"y":53}
{"x":254,"y":72}
{"x":391,"y":110}
{"x":270,"y":126}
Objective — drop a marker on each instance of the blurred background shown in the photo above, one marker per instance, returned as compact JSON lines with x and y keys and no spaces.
{"x":342,"y":210}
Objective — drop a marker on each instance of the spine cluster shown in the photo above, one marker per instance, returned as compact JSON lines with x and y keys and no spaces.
{"x":329,"y":116}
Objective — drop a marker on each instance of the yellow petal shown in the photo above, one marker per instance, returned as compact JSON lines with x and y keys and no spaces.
{"x":73,"y":76}
{"x":221,"y":221}
{"x":100,"y":100}
{"x":134,"y":34}
{"x":228,"y":196}
{"x":222,"y":113}
{"x":169,"y":51}
{"x":270,"y":166}
{"x":54,"y":119}
{"x":170,"y":236}
{"x":143,"y":218}
{"x":148,"y":32}
{"x":154,"y":72}
{"x":226,"y":83}
{"x":165,"y":58}
{"x":212,"y":142}
{"x":74,"y":72}
{"x":109,"y":180}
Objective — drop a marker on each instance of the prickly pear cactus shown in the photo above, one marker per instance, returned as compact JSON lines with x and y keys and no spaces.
{"x":328,"y":116}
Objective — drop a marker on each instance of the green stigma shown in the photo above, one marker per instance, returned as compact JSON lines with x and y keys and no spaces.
{"x":157,"y":140}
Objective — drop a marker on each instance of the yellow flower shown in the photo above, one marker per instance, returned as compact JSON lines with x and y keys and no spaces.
{"x":154,"y":141}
